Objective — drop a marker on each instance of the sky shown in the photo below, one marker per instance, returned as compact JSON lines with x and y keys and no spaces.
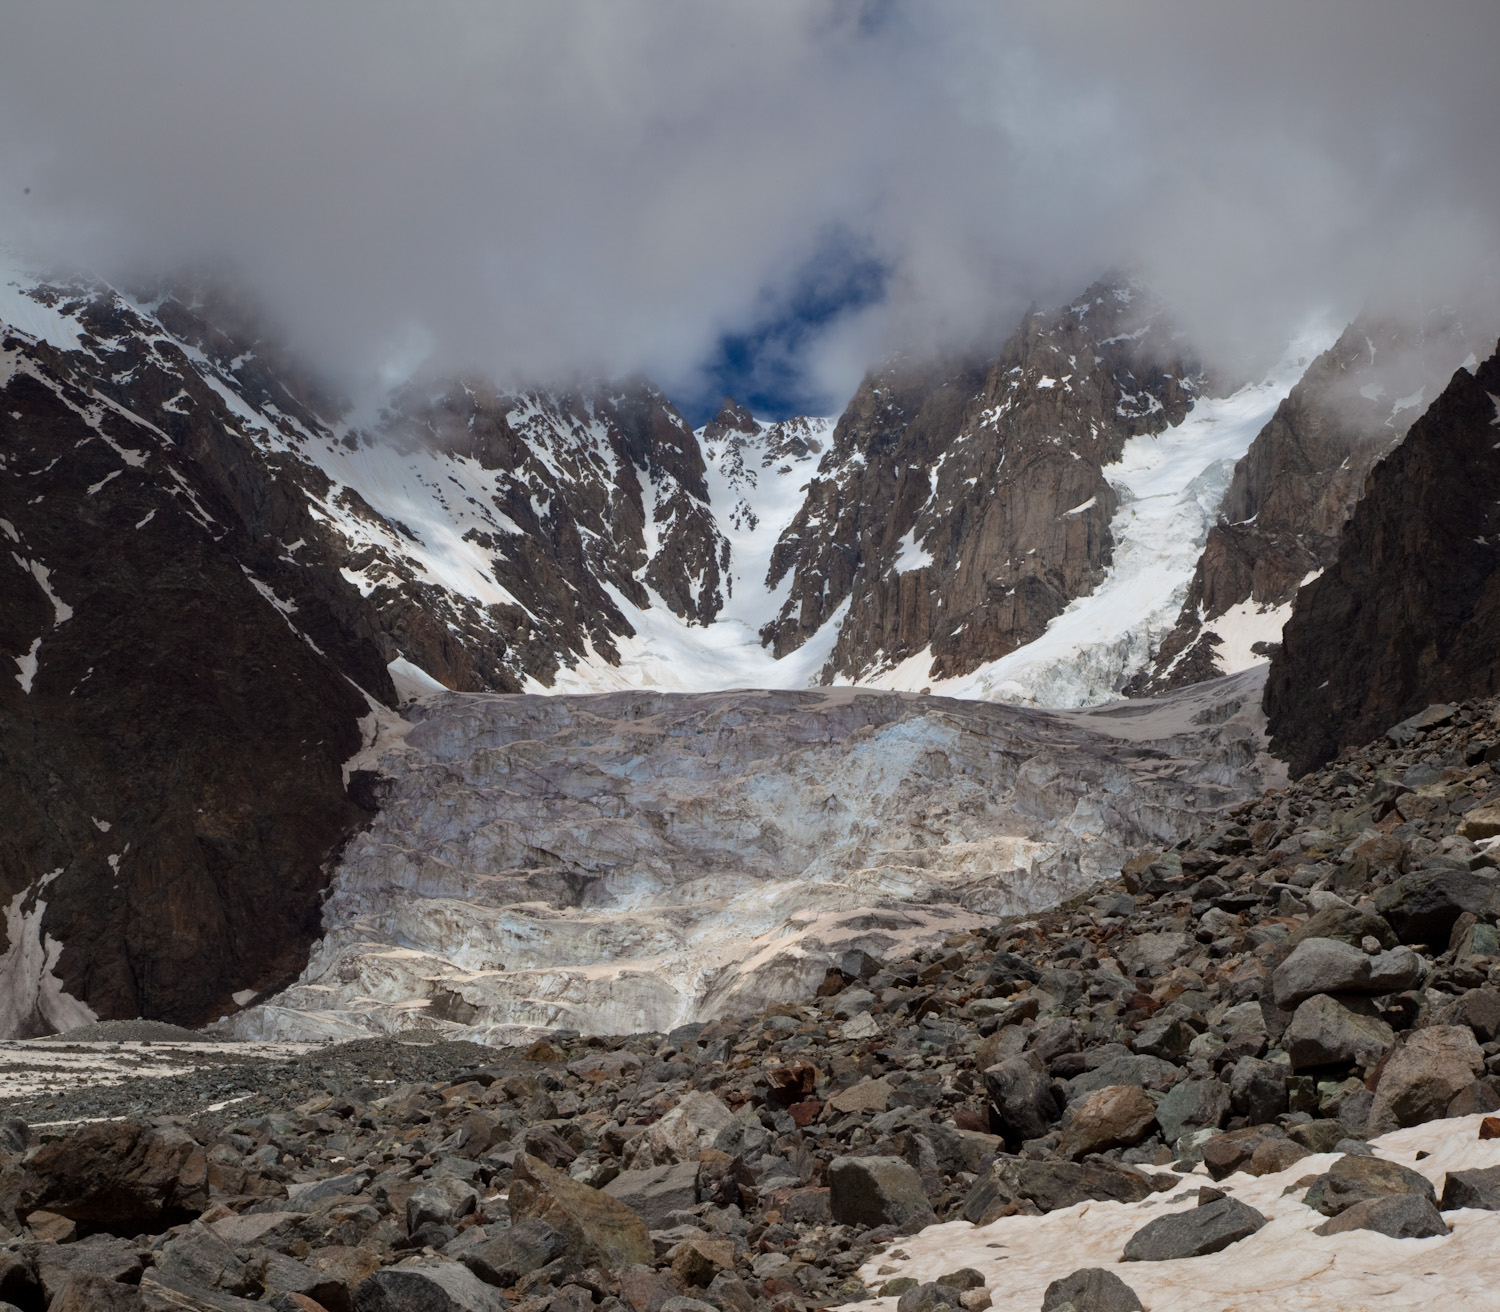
{"x":759,"y":197}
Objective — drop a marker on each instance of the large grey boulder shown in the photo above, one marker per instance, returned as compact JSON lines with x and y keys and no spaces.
{"x":1209,"y":1228}
{"x":1423,"y":1076}
{"x":1192,"y":1105}
{"x":304,"y":1196}
{"x":440,"y":1287}
{"x":1257,"y":1089}
{"x":1357,"y":1179}
{"x":1319,"y":965}
{"x":1479,"y":1009}
{"x":1401,"y":1216}
{"x":1127,"y":1068}
{"x":657,"y":1192}
{"x":1323,"y":1032}
{"x":1423,"y":906}
{"x":1022,"y":1105}
{"x":1092,"y":1289}
{"x":1330,"y":965}
{"x":1478,"y":1188}
{"x":160,"y":1292}
{"x":199,"y":1257}
{"x":599,"y":1229}
{"x":440,"y":1202}
{"x":106,"y":1256}
{"x":515,"y":1251}
{"x":1049,"y":1185}
{"x":877,"y":1191}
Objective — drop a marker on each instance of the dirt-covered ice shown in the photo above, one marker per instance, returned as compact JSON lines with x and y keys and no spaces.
{"x":627,"y":861}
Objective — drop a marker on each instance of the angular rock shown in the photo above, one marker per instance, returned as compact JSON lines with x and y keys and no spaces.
{"x":1345,"y":923}
{"x":199,"y":1257}
{"x":1422,"y":1076}
{"x":94,"y":1293}
{"x":1353,"y":1180}
{"x":1209,"y":1228}
{"x":1478,"y":1188}
{"x":114,"y":1175}
{"x":1323,"y":1032}
{"x":1225,"y":1154}
{"x":598,"y":1228}
{"x":1148,"y":1072}
{"x":1401,"y":1216}
{"x":1422,"y":907}
{"x":1118,"y":1116}
{"x":697,"y":1262}
{"x":646,"y":1290}
{"x":441,"y":1287}
{"x":1192,"y":1105}
{"x":303,"y":1197}
{"x":1319,"y":965}
{"x":1022,"y":1105}
{"x":161,"y":1292}
{"x":877,"y":1191}
{"x":442,"y":1202}
{"x":1049,"y":1185}
{"x":1168,"y":1040}
{"x":112,"y":1259}
{"x":657,"y":1192}
{"x":929,"y":1297}
{"x":1092,"y":1289}
{"x":515,"y":1251}
{"x":1479,"y":1009}
{"x":689,"y":1127}
{"x":1317,"y":1136}
{"x":280,"y":1274}
{"x":1257,"y":1090}
{"x":866,"y":1096}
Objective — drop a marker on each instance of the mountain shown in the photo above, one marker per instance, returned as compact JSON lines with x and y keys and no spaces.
{"x":222,"y":578}
{"x":1409,"y":612}
{"x":961,"y":507}
{"x":1292,"y":491}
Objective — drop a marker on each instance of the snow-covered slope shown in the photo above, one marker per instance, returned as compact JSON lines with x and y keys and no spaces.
{"x":1170,"y":486}
{"x":586,"y":540}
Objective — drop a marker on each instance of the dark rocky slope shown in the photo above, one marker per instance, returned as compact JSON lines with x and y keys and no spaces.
{"x":1319,"y":970}
{"x":1293,"y":490}
{"x":961,"y":506}
{"x":170,"y":745}
{"x":1410,"y":611}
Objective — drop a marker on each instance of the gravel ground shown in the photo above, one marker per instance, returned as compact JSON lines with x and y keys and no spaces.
{"x":220,"y":1073}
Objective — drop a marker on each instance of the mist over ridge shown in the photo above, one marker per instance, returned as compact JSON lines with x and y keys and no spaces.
{"x":763,"y":200}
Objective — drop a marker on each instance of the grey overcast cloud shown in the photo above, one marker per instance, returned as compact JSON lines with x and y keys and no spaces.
{"x":777,"y":194}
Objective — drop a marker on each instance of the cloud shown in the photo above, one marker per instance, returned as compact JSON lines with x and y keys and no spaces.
{"x":547,"y":190}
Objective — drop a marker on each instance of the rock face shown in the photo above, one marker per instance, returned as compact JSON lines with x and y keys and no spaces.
{"x":636,"y":859}
{"x":960,"y":508}
{"x":1409,"y":613}
{"x":1284,"y":511}
{"x":170,"y":744}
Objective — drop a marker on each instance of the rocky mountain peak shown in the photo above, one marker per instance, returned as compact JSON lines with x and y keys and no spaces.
{"x":1409,"y":612}
{"x":960,"y":508}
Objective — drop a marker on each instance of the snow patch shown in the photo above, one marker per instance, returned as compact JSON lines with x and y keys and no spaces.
{"x":31,"y":995}
{"x":28,"y":665}
{"x":911,"y":556}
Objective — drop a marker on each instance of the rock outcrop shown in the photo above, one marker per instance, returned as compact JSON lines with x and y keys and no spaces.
{"x":1409,"y":613}
{"x":960,"y":507}
{"x":1295,"y":487}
